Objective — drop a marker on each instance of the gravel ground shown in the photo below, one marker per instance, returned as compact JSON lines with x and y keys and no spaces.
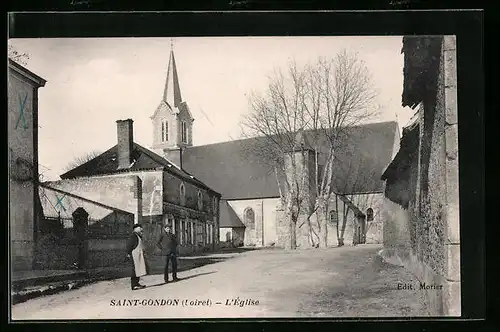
{"x":333,"y":282}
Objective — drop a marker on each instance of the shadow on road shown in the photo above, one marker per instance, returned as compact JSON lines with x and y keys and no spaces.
{"x":182,"y":279}
{"x":157,"y":265}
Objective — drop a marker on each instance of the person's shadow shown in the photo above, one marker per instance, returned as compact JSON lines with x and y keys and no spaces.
{"x":180,"y":279}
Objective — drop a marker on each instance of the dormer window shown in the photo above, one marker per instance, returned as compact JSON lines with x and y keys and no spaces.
{"x":200,"y":201}
{"x":164,"y":131}
{"x":184,"y":133}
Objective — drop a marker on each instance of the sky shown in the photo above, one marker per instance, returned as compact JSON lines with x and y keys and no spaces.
{"x":92,"y":82}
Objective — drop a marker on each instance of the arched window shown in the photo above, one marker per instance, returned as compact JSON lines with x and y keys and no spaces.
{"x":182,"y":194}
{"x":369,"y":214}
{"x":333,"y":217}
{"x":249,"y":217}
{"x":164,"y":131}
{"x":200,"y":200}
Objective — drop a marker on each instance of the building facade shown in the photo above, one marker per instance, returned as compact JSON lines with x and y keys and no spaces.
{"x":22,"y":128}
{"x":154,"y":190}
{"x":421,"y":228}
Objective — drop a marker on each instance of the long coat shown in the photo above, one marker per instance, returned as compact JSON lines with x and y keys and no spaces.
{"x":135,"y":248}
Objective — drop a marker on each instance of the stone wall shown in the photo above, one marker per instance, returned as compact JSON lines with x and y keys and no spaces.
{"x":121,"y":192}
{"x":171,"y":193}
{"x":262,"y":232}
{"x":396,"y":233}
{"x":425,"y":238}
{"x":22,"y":128}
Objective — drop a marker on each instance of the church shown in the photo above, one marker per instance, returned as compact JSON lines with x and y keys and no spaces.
{"x":218,"y":193}
{"x":249,"y":208}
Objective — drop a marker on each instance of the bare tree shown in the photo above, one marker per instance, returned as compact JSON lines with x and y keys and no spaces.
{"x":319,"y":100}
{"x":82,"y":160}
{"x":21,"y":58}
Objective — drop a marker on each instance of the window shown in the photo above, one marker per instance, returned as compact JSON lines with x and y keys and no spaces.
{"x":199,"y":233}
{"x":188,"y":232}
{"x":249,"y":217}
{"x":211,"y":234}
{"x":209,"y":240}
{"x":193,"y":234}
{"x":176,"y":228}
{"x":200,"y":200}
{"x":184,"y":134}
{"x":369,"y":214}
{"x":182,"y":232}
{"x":164,"y":131}
{"x":182,"y":194}
{"x":333,"y":217}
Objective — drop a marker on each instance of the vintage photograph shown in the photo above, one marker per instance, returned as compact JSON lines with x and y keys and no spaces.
{"x":233,"y":177}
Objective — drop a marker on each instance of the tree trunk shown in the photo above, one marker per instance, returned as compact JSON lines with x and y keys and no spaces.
{"x":344,"y":223}
{"x":293,"y":232}
{"x":322,"y":215}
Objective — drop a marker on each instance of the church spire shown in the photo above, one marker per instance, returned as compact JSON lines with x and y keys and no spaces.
{"x":172,"y":92}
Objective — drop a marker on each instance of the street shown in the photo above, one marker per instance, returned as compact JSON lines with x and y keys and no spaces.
{"x":333,"y":282}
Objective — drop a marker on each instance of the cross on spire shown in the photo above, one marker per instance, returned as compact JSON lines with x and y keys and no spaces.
{"x":172,"y":92}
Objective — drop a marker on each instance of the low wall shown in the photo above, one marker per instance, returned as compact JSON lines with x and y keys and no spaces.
{"x":438,"y":287}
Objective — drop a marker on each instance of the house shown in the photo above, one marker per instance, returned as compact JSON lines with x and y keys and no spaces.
{"x":22,"y":129}
{"x":136,"y":180}
{"x":249,"y":187}
{"x":421,"y":214}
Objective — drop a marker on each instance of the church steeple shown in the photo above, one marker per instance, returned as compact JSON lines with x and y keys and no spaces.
{"x":172,"y":119}
{"x":172,"y":93}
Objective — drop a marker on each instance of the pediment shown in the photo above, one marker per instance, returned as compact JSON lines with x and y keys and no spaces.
{"x":163,"y":108}
{"x":184,"y":109}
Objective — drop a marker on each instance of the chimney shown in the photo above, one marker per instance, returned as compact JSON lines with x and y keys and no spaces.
{"x":125,"y":130}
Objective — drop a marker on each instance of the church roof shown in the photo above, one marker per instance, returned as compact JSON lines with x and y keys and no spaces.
{"x":144,"y":159}
{"x":362,"y":156}
{"x":227,"y":217}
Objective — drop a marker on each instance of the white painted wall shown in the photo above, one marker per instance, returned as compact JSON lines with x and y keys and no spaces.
{"x":265,"y":218}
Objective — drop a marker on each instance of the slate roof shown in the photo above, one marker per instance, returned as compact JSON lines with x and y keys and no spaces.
{"x":227,"y":217}
{"x":363,"y":154}
{"x":144,"y":159}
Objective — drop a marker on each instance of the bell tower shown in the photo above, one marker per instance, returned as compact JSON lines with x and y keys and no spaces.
{"x":172,"y":119}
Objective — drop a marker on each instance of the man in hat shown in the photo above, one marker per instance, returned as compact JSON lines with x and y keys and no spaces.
{"x":135,"y":252}
{"x":168,"y":245}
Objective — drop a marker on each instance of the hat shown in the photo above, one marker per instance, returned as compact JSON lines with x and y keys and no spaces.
{"x":137,"y":225}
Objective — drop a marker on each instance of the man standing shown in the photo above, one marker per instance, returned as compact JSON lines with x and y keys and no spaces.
{"x":168,"y":245}
{"x":135,"y":251}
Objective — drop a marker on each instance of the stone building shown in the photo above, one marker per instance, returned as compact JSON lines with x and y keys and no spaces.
{"x":22,"y":129}
{"x":249,"y":187}
{"x":136,"y":180}
{"x":57,"y":245}
{"x":421,"y":228}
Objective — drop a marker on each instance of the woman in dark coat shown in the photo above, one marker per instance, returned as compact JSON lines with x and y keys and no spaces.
{"x":135,"y":252}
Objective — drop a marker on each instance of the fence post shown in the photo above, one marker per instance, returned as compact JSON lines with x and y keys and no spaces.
{"x":80,"y":224}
